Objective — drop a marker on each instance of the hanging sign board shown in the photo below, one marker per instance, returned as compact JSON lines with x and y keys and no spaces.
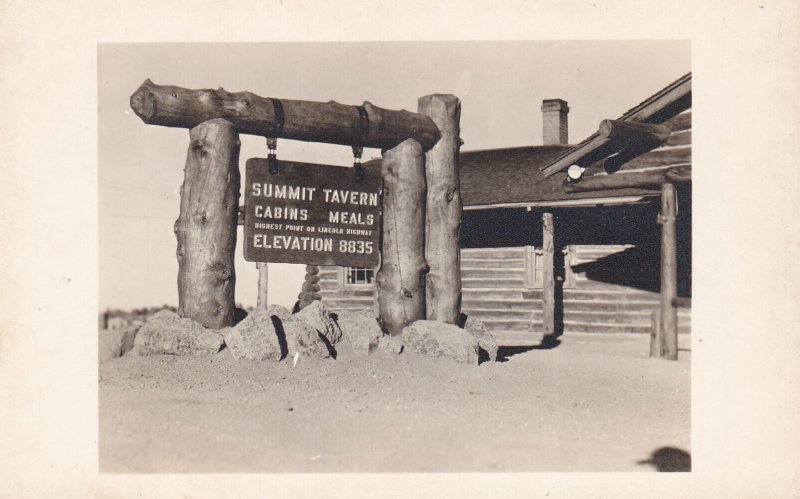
{"x":312,"y":214}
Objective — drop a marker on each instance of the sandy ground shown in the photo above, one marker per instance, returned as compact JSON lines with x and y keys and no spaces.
{"x":593,"y":403}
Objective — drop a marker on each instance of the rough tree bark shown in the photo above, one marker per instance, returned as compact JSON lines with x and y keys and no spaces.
{"x":631,"y":131}
{"x":328,"y":122}
{"x":401,"y":278}
{"x":666,"y":341}
{"x":443,"y":211}
{"x":548,"y":276}
{"x":206,"y":228}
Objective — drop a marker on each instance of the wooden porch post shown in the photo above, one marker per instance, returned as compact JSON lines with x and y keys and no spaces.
{"x":206,"y":227}
{"x":665,"y":342}
{"x":443,"y":211}
{"x":400,"y":281}
{"x":548,"y":277}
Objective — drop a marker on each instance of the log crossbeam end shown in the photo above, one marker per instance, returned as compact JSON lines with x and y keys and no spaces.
{"x":327,"y":122}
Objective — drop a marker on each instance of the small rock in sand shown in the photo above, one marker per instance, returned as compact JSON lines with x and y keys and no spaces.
{"x":437,"y":339}
{"x":167,"y":333}
{"x":304,"y":339}
{"x":318,"y":317}
{"x":391,"y":344}
{"x":255,"y":338}
{"x":279,"y":311}
{"x":481,"y":333}
{"x":114,"y":343}
{"x":360,"y":329}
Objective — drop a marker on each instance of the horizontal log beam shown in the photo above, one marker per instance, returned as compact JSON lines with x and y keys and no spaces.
{"x":328,"y":122}
{"x":637,"y":158}
{"x":629,"y":180}
{"x":682,"y":138}
{"x":680,"y":122}
{"x":669,"y":101}
{"x":630,"y":131}
{"x":681,"y":302}
{"x":640,"y":156}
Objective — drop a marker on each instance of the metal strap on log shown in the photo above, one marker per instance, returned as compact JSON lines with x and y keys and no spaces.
{"x":328,"y":122}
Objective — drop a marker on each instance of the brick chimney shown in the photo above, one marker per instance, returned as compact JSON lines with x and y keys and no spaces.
{"x":554,"y":121}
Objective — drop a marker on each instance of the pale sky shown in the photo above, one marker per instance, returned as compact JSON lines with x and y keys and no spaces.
{"x":501,"y":86}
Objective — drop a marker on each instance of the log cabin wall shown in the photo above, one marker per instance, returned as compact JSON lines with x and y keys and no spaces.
{"x":610,"y":255}
{"x":497,"y":292}
{"x":602,"y":307}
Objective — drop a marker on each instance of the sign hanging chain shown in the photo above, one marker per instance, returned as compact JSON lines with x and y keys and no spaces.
{"x":361,"y":138}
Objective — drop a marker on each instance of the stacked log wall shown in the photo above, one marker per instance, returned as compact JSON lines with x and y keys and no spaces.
{"x":599,"y":307}
{"x":493,"y":283}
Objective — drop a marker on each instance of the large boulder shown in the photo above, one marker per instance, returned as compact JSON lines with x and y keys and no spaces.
{"x":304,"y":339}
{"x":167,"y":333}
{"x":437,"y":339}
{"x":360,"y":329}
{"x":480,"y":332}
{"x":318,"y":317}
{"x":113,"y":343}
{"x":256,"y":338}
{"x":279,"y":311}
{"x":392,"y":345}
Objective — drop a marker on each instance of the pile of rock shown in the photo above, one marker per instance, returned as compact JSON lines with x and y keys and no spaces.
{"x":275,"y":334}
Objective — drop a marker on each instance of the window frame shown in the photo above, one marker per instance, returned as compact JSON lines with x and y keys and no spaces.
{"x":343,"y":271}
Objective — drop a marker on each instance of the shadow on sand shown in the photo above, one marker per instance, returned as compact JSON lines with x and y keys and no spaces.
{"x":547,"y":343}
{"x":669,"y":459}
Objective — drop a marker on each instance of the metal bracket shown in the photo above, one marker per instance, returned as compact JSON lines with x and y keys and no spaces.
{"x":359,"y":168}
{"x":272,"y":138}
{"x":361,"y":138}
{"x":277,"y":127}
{"x":272,"y":157}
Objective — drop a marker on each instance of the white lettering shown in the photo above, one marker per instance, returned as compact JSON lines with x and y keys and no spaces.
{"x":348,"y":217}
{"x":350,"y":197}
{"x":278,"y":212}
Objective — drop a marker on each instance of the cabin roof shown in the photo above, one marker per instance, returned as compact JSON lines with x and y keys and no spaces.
{"x":513,"y":175}
{"x":535,"y":174}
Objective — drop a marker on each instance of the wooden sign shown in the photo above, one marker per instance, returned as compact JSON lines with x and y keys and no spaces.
{"x":312,"y":214}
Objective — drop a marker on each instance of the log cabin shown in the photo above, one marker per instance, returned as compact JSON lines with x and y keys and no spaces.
{"x":567,"y":238}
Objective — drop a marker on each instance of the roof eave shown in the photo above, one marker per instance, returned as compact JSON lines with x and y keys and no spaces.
{"x":650,"y":109}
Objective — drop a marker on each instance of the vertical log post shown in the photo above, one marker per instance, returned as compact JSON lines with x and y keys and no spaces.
{"x":263,"y":282}
{"x":401,"y":278}
{"x":666,"y":341}
{"x":443,"y":211}
{"x":655,"y":334}
{"x":206,"y":227}
{"x":548,"y":277}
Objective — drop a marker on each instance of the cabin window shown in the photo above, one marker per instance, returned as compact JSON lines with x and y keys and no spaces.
{"x":357,"y":277}
{"x":534,"y":268}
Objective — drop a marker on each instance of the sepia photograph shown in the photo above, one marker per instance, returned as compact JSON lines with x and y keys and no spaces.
{"x":402,"y":249}
{"x":395,"y":257}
